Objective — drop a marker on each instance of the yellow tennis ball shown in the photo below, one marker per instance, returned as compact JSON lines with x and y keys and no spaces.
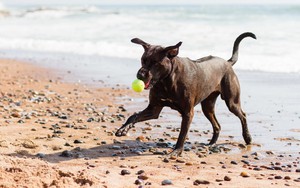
{"x":138,"y":85}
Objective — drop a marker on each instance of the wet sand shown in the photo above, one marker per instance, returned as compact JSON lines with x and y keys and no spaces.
{"x":58,"y":134}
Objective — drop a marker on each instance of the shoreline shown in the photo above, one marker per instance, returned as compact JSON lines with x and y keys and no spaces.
{"x":61,"y":134}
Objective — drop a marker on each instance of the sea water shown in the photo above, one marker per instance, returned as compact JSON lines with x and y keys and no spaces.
{"x":93,"y":39}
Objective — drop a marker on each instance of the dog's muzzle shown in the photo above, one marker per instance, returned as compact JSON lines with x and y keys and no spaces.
{"x":143,"y":74}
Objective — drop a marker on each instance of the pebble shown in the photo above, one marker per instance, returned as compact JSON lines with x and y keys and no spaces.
{"x":125,"y":172}
{"x":40,"y":155}
{"x":298,"y":170}
{"x":66,"y":153}
{"x":277,"y":168}
{"x":143,"y":177}
{"x":140,"y":172}
{"x":166,"y":182}
{"x":278,"y":177}
{"x":257,"y":169}
{"x":16,"y":115}
{"x":245,"y":162}
{"x":78,"y":141}
{"x":227,"y":178}
{"x":166,"y":160}
{"x":138,"y":182}
{"x":234,"y":162}
{"x":244,"y":174}
{"x":180,"y":161}
{"x":204,"y":182}
{"x":116,"y":147}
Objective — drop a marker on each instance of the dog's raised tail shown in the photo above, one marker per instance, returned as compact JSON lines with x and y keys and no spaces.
{"x":235,"y":52}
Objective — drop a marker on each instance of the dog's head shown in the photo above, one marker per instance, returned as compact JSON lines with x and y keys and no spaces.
{"x":156,"y":62}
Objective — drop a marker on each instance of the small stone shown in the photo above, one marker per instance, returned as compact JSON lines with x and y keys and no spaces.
{"x":66,"y":153}
{"x":180,"y":161}
{"x":244,"y":174}
{"x":138,"y":182}
{"x":166,"y":182}
{"x":115,"y":147}
{"x":40,"y":155}
{"x":245,"y":162}
{"x":16,"y":115}
{"x":125,"y":172}
{"x":204,"y":182}
{"x":166,"y":160}
{"x":278,"y":177}
{"x":227,"y":178}
{"x":140,"y":138}
{"x":140,"y":172}
{"x":298,"y":170}
{"x":143,"y":177}
{"x":67,"y":144}
{"x":188,"y":164}
{"x":78,"y":141}
{"x":277,"y":168}
{"x":58,"y":132}
{"x":287,"y":178}
{"x":234,"y":162}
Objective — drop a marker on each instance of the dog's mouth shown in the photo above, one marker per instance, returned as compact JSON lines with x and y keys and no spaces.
{"x":149,"y":83}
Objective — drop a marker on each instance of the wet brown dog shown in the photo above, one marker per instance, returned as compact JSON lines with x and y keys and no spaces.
{"x":181,"y":84}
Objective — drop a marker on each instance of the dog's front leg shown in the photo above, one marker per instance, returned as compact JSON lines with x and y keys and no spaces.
{"x":185,"y":125}
{"x":151,"y":112}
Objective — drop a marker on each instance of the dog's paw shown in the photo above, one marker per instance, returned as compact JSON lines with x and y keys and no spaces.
{"x":175,"y":153}
{"x":120,"y":133}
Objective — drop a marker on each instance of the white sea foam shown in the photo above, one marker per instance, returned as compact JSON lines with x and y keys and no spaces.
{"x":204,"y":30}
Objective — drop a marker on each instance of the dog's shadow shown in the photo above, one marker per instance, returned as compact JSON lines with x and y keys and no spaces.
{"x":125,"y":148}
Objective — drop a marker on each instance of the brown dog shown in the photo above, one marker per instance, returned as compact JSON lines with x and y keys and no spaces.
{"x":181,"y":84}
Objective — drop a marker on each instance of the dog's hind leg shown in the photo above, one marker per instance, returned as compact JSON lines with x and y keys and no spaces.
{"x":231,"y":94}
{"x":208,"y":108}
{"x":151,"y":112}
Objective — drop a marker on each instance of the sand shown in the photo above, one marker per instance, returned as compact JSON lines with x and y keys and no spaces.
{"x":58,"y":134}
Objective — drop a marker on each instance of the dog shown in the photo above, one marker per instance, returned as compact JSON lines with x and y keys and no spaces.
{"x":182,"y":83}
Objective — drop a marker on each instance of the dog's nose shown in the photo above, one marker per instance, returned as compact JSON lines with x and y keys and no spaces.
{"x":142,"y":74}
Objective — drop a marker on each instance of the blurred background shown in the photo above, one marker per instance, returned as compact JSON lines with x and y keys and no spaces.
{"x":92,"y":38}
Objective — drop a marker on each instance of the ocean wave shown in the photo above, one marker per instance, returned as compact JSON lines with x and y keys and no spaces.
{"x":205,"y":30}
{"x":59,"y":12}
{"x":101,"y":48}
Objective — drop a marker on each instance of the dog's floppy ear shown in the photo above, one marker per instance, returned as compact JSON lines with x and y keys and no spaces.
{"x":172,"y":51}
{"x":141,"y":42}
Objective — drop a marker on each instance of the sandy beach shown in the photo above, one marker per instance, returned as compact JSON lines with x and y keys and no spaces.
{"x":58,"y":134}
